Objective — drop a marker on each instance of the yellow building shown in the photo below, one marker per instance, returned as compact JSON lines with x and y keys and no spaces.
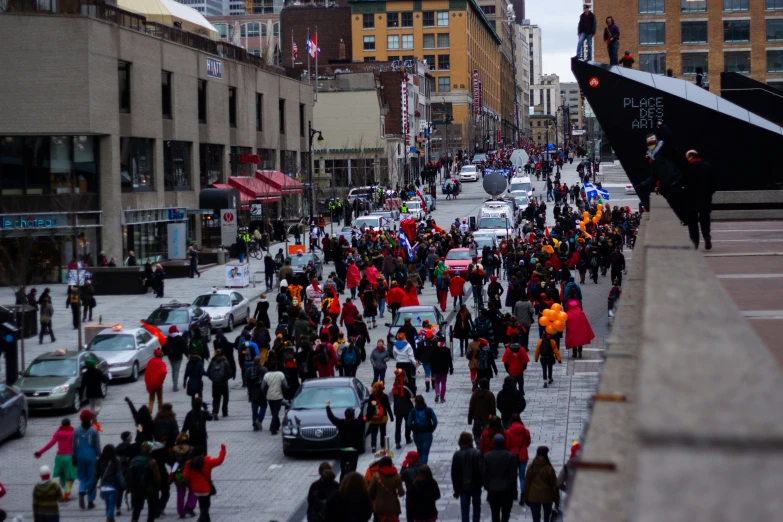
{"x":455,"y":37}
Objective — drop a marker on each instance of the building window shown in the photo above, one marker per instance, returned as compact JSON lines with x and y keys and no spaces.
{"x":288,"y":162}
{"x":165,"y":82}
{"x":276,"y":29}
{"x":250,"y":30}
{"x":232,"y":106}
{"x":393,"y":41}
{"x":210,"y":158}
{"x":694,"y":32}
{"x":775,"y":61}
{"x":651,"y":6}
{"x":443,"y":18}
{"x":238,"y":168}
{"x":281,"y":115}
{"x":774,"y":30}
{"x":408,"y":58}
{"x":263,"y":31}
{"x":259,"y":112}
{"x":443,"y":41}
{"x":654,"y":63}
{"x":407,"y":19}
{"x":254,"y":52}
{"x":428,"y":18}
{"x":222,"y":32}
{"x":692,"y":61}
{"x":736,"y":30}
{"x":407,"y":41}
{"x":176,"y":165}
{"x":428,"y":41}
{"x":368,"y":21}
{"x":202,"y":101}
{"x":369,"y":43}
{"x":443,"y":62}
{"x":369,"y":58}
{"x":652,"y":33}
{"x":430,"y":59}
{"x":773,"y":5}
{"x":444,"y":84}
{"x":136,"y":164}
{"x":123,"y":77}
{"x":737,"y":61}
{"x":736,"y":5}
{"x":693,"y":6}
{"x":392,"y":20}
{"x":267,"y":159}
{"x":337,"y":170}
{"x":301,"y":120}
{"x":391,"y":58}
{"x":488,"y":9}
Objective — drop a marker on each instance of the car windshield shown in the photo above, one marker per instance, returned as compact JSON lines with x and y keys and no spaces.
{"x":494,"y":222}
{"x":212,"y":300}
{"x":458,"y":254}
{"x":416,"y":318}
{"x":483,"y":241}
{"x":314,"y":398}
{"x":468,"y":168}
{"x":52,"y":368}
{"x":300,"y":260}
{"x":367,"y":222}
{"x":413,"y":204}
{"x":167,"y":316}
{"x":112,"y":343}
{"x":518,"y":185}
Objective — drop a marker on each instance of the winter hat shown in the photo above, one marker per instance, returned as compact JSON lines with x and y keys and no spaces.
{"x":173,"y":329}
{"x":45,"y":471}
{"x":86,"y":416}
{"x":499,"y":441}
{"x":158,"y":352}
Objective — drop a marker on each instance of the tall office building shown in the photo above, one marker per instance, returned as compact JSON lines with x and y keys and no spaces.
{"x":534,"y":48}
{"x":522,"y":57}
{"x":205,"y":7}
{"x":573,"y":100}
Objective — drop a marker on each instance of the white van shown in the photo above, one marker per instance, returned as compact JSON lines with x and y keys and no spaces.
{"x":360,"y":193}
{"x":521,"y":186}
{"x":500,"y":224}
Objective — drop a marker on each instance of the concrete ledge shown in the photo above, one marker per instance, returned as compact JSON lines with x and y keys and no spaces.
{"x":746,"y":215}
{"x":748,"y":197}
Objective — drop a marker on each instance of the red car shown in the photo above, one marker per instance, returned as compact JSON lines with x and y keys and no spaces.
{"x":458,"y":259}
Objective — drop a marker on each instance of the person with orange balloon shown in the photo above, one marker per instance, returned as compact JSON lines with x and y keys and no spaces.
{"x":578,"y":331}
{"x":547,"y":353}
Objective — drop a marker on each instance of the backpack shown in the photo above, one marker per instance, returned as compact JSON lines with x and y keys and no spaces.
{"x":483,"y":360}
{"x":139,"y":474}
{"x":219,"y":373}
{"x":546,"y":349}
{"x":322,"y":356}
{"x":349,"y":356}
{"x":594,"y":261}
{"x":249,"y":355}
{"x":421,"y":419}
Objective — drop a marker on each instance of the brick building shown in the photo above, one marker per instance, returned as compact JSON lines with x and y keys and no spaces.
{"x":744,"y":36}
{"x":333,"y":25}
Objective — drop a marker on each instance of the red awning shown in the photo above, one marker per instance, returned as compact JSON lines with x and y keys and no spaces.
{"x":285,"y":184}
{"x":255,"y":188}
{"x":244,"y":197}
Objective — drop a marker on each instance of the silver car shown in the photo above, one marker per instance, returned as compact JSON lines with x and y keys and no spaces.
{"x":126,"y":350}
{"x":225,"y":307}
{"x":13,"y":413}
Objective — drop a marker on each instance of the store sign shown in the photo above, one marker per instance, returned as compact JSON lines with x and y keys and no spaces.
{"x":476,"y":91}
{"x":256,"y":210}
{"x":214,"y":68}
{"x":405,"y":106}
{"x":21,"y":221}
{"x":176,"y":214}
{"x":228,"y":227}
{"x":176,"y":240}
{"x":247,"y":159}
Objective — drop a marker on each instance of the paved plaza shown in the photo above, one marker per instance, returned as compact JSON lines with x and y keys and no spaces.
{"x":257,"y":482}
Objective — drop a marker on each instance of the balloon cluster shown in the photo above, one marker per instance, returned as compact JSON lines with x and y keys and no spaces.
{"x":553,"y":319}
{"x":595,"y":219}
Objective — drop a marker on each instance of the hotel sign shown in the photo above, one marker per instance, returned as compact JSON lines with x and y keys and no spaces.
{"x":214,"y":68}
{"x":476,"y":108}
{"x":35,"y":221}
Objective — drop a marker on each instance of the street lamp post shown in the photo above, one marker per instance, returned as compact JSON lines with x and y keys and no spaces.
{"x":312,"y":132}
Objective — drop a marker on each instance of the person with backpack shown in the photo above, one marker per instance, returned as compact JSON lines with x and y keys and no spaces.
{"x":319,"y":493}
{"x":180,"y":454}
{"x":466,"y":477}
{"x":541,"y":486}
{"x":86,"y":448}
{"x":441,"y":365}
{"x":350,"y":430}
{"x":219,"y":372}
{"x":254,"y":377}
{"x":325,"y":357}
{"x":350,"y":358}
{"x":547,"y":351}
{"x":112,"y":479}
{"x":485,"y":363}
{"x":481,"y":408}
{"x":248,"y":351}
{"x":195,"y":424}
{"x":193,"y":377}
{"x":385,"y":489}
{"x":423,"y":423}
{"x":379,"y":412}
{"x":197,"y":344}
{"x":517,"y":442}
{"x":378,"y":359}
{"x":175,"y":349}
{"x":143,"y":483}
{"x":424,"y":352}
{"x":500,"y":479}
{"x":198,"y":472}
{"x":510,"y":401}
{"x":47,"y":495}
{"x":64,"y":470}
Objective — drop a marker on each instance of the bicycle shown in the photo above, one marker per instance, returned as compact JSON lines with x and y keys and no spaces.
{"x":254,"y":250}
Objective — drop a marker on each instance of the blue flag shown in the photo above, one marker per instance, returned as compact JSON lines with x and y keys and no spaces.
{"x":405,"y":244}
{"x":593,"y":192}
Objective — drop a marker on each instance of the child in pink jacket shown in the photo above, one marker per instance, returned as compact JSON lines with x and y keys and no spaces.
{"x":64,"y":470}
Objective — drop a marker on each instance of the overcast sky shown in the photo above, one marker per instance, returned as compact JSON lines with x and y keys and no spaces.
{"x":558,"y":20}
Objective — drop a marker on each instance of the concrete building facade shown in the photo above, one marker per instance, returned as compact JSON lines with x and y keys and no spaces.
{"x":522,"y":57}
{"x":535,"y":54}
{"x":572,"y":99}
{"x":128,"y":128}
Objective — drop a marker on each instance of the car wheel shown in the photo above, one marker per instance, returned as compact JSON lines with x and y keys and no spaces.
{"x":135,"y":372}
{"x":21,"y":427}
{"x":77,"y":401}
{"x":230,"y":327}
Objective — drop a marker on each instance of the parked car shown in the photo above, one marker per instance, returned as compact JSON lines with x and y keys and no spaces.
{"x":418,"y":315}
{"x":225,"y":307}
{"x":468,"y":173}
{"x":127,"y":351}
{"x":300,"y":261}
{"x":184,"y":315}
{"x":13,"y":413}
{"x":53,"y":381}
{"x":306,"y":427}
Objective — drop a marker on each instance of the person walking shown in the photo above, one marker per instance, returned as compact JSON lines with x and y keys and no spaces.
{"x":73,"y":301}
{"x":617,"y":263}
{"x":112,"y":479}
{"x":578,"y":330}
{"x":219,"y":372}
{"x":457,"y":289}
{"x":198,"y":472}
{"x":518,"y":442}
{"x":261,"y":314}
{"x":422,"y":496}
{"x":270,"y":267}
{"x":423,"y":423}
{"x":88,"y":300}
{"x":154,"y":376}
{"x":441,"y":365}
{"x":193,"y":256}
{"x":466,"y":477}
{"x":612,"y":39}
{"x":463,"y":326}
{"x":525,"y":313}
{"x":547,"y":351}
{"x":402,"y":398}
{"x":194,"y":374}
{"x":481,"y":408}
{"x":175,"y":349}
{"x":93,"y":382}
{"x":385,"y":489}
{"x":47,"y":311}
{"x":254,"y":378}
{"x":541,"y":486}
{"x":319,"y":493}
{"x":274,"y":386}
{"x":47,"y":496}
{"x":64,"y":470}
{"x":379,"y":412}
{"x":515,"y":360}
{"x":701,"y":184}
{"x":351,"y":432}
{"x":378,"y":359}
{"x":510,"y":401}
{"x":86,"y":448}
{"x":195,"y":425}
{"x":406,"y":358}
{"x":351,"y":503}
{"x":181,"y":454}
{"x":499,"y":472}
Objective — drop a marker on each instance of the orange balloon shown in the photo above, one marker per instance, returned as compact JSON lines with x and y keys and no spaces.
{"x":557,"y":307}
{"x":595,"y":219}
{"x":562,"y":317}
{"x":585,"y":214}
{"x":600,"y":206}
{"x":548,"y":313}
{"x":550,"y":329}
{"x":544,"y":321}
{"x":558,"y":325}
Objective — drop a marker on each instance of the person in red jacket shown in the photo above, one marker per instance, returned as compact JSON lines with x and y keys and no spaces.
{"x":516,"y":360}
{"x":517,"y":442}
{"x":352,"y":277}
{"x":198,"y":473}
{"x":411,"y":295}
{"x":325,"y":357}
{"x":456,"y":287}
{"x":154,"y":376}
{"x":395,"y":297}
{"x":349,"y":315}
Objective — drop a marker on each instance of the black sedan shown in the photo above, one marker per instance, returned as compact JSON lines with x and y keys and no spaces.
{"x":418,"y":315}
{"x":306,"y":428}
{"x":184,"y":316}
{"x":299,"y":263}
{"x":13,"y":413}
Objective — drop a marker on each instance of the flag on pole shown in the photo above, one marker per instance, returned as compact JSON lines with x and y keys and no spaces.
{"x":312,"y":46}
{"x":309,"y":46}
{"x":591,"y":192}
{"x":405,"y":244}
{"x":296,"y":51}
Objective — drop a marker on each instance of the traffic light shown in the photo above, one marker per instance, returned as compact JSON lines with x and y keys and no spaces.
{"x":9,"y":336}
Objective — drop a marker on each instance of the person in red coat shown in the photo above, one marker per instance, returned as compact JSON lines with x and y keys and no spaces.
{"x":411,"y":295}
{"x":349,"y":315}
{"x":456,"y":288}
{"x":325,"y":357}
{"x":154,"y":376}
{"x":352,"y":277}
{"x":517,"y":442}
{"x":198,"y":473}
{"x":395,"y":298}
{"x":578,"y":330}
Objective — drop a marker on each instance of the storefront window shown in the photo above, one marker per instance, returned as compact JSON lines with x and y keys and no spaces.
{"x":136,"y":164}
{"x":176,"y":165}
{"x":337,"y":170}
{"x":288,"y":162}
{"x":237,"y":167}
{"x":148,"y":241}
{"x":267,"y":159}
{"x":211,"y":164}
